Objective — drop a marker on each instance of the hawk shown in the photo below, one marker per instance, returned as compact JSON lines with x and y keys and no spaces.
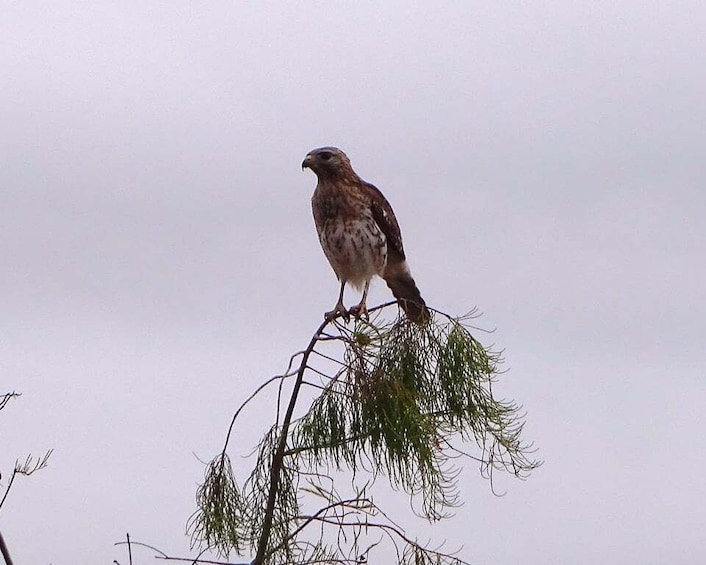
{"x":359,"y":234}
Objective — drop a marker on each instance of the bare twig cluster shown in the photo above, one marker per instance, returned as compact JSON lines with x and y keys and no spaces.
{"x":28,"y":467}
{"x":6,"y":397}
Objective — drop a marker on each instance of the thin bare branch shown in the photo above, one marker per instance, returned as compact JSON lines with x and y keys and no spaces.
{"x":4,"y":551}
{"x":26,"y":469}
{"x":5,"y":398}
{"x":281,"y":447}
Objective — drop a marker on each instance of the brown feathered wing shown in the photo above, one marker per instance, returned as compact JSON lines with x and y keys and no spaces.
{"x":397,"y":274}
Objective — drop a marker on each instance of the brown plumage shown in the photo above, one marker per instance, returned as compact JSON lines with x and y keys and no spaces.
{"x":359,"y":234}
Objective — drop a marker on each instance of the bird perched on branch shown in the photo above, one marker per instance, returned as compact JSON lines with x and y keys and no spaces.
{"x":359,"y":234}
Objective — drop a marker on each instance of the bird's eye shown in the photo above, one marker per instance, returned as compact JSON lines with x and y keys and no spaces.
{"x":325,"y":155}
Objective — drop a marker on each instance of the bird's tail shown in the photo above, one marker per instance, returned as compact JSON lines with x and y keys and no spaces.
{"x":405,"y":290}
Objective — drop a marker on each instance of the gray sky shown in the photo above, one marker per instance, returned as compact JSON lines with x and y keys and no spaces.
{"x":159,"y":260}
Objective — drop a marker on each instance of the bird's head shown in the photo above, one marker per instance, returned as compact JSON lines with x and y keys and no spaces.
{"x":327,"y":162}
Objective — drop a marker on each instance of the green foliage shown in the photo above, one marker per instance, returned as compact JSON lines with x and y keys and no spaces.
{"x":402,"y":395}
{"x":392,"y":398}
{"x":221,"y":522}
{"x":231,"y":519}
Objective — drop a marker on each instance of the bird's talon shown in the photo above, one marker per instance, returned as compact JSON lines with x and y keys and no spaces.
{"x":359,"y":311}
{"x":339,"y":310}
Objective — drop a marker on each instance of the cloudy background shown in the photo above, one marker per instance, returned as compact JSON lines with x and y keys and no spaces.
{"x":159,"y":261}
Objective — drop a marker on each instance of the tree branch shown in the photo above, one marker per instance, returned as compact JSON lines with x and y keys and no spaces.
{"x":281,"y":447}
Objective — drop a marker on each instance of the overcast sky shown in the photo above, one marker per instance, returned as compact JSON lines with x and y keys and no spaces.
{"x":546,"y":161}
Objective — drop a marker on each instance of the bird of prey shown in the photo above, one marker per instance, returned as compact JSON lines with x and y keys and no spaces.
{"x":359,"y":234}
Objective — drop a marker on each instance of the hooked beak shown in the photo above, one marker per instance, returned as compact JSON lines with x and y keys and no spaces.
{"x":306,"y":163}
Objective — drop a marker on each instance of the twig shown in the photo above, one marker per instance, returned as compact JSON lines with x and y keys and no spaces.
{"x":26,"y":469}
{"x":162,"y":554}
{"x":243,"y":405}
{"x":4,"y":551}
{"x":281,"y":447}
{"x":166,"y":557}
{"x":5,"y":398}
{"x":208,"y":561}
